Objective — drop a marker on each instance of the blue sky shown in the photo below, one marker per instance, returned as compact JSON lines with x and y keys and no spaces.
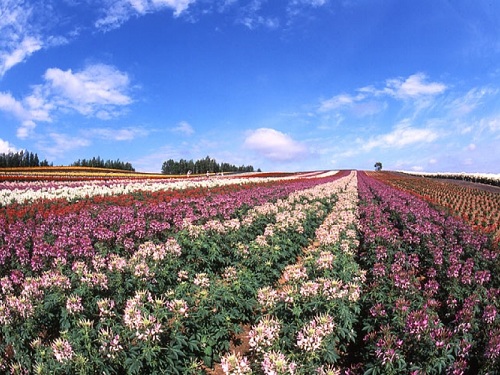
{"x":283,"y":85}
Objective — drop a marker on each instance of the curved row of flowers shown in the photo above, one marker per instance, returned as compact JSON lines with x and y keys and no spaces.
{"x":306,"y":320}
{"x":166,"y":305}
{"x":52,"y":230}
{"x":431,"y":300}
{"x":28,"y":192}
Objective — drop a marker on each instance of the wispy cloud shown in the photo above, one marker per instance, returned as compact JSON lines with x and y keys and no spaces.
{"x":402,"y":135}
{"x":366,"y":100}
{"x":18,"y":53}
{"x":116,"y":12}
{"x":10,"y":105}
{"x":252,"y":16}
{"x":470,"y":101}
{"x":415,"y":86}
{"x":123,"y":134}
{"x":18,"y":40}
{"x":57,"y":144}
{"x":274,"y":145}
{"x":183,"y":127}
{"x":339,"y":101}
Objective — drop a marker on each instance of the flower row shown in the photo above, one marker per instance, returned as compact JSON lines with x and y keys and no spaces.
{"x":432,"y":292}
{"x":28,"y":192}
{"x":479,"y":207}
{"x":307,"y":318}
{"x":47,"y":231}
{"x":484,"y":178}
{"x":165,"y":305}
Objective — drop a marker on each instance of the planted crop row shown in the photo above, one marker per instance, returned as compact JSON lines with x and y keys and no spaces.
{"x":478,"y":207}
{"x":306,"y":320}
{"x":165,"y":305}
{"x":337,"y":275}
{"x":431,"y":298}
{"x":29,"y":192}
{"x":33,"y":235}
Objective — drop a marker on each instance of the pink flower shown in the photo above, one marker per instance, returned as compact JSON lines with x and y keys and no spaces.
{"x":493,"y":347}
{"x":178,"y":306}
{"x":202,"y":280}
{"x":310,"y":337}
{"x":328,"y":370}
{"x":295,"y":272}
{"x":235,"y":364}
{"x":267,"y":297}
{"x":106,"y":307}
{"x":264,"y":334}
{"x":275,"y":363}
{"x":74,"y":304}
{"x":62,"y":350}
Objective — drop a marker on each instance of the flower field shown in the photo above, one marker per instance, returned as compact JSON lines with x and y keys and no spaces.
{"x":479,"y":207}
{"x":320,"y":273}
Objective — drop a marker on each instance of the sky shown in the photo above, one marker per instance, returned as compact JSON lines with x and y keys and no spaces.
{"x":282,"y":85}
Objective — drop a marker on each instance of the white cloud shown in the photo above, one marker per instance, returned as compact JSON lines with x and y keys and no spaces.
{"x":91,"y":91}
{"x":17,"y":40}
{"x":183,"y":127}
{"x":413,"y":87}
{"x":26,"y":129}
{"x":470,"y":101}
{"x":402,"y":135}
{"x":338,"y":101}
{"x":493,"y":124}
{"x":6,"y":147}
{"x":59,"y":144}
{"x":120,"y":11}
{"x":274,"y":145}
{"x":124,"y":134}
{"x":10,"y":105}
{"x":366,"y":102}
{"x":19,"y":53}
{"x":97,"y":91}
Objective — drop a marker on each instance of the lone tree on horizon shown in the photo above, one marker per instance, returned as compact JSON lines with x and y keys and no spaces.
{"x":378,"y":166}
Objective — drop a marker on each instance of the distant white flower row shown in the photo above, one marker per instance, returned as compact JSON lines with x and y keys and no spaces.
{"x":475,"y":177}
{"x":26,"y":192}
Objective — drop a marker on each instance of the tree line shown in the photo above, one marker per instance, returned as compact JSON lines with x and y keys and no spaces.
{"x":97,"y":162}
{"x":201,"y":166}
{"x":21,"y":159}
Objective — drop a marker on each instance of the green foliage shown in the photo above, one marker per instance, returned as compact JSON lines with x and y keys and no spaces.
{"x":97,"y":162}
{"x":21,"y":159}
{"x":200,"y":166}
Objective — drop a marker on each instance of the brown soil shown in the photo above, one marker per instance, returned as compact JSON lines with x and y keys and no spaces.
{"x":240,"y":344}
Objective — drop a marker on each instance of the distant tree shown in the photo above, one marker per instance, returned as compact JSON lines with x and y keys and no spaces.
{"x":21,"y":159}
{"x":201,"y":166}
{"x":101,"y":163}
{"x":378,"y":166}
